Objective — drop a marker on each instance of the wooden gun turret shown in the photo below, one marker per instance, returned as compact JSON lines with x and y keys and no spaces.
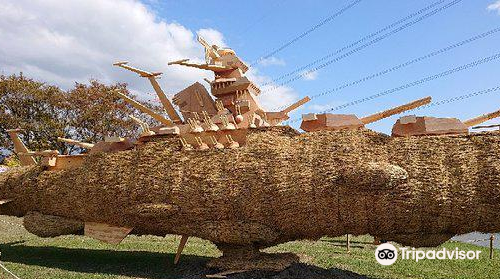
{"x":425,"y":125}
{"x":50,"y":158}
{"x":210,"y":51}
{"x":328,"y":121}
{"x":274,"y":118}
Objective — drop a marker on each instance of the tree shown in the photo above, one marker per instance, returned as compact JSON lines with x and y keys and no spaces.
{"x":35,"y":107}
{"x":87,"y":112}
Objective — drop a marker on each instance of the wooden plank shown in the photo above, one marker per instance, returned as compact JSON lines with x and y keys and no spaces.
{"x":105,"y":232}
{"x":63,"y":162}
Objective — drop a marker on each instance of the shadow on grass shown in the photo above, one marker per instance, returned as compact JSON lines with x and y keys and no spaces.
{"x":144,"y":264}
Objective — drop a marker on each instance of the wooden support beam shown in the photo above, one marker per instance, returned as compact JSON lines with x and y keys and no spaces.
{"x":481,"y":119}
{"x":348,"y":242}
{"x":184,"y":239}
{"x":492,"y":237}
{"x":144,"y":109}
{"x":390,"y":112}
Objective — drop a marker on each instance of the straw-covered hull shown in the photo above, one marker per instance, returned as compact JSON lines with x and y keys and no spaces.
{"x":281,"y":186}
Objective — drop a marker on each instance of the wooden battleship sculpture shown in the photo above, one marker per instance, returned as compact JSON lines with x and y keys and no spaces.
{"x":225,"y":173}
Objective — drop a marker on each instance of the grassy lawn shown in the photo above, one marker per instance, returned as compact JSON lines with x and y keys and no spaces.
{"x":151,"y":257}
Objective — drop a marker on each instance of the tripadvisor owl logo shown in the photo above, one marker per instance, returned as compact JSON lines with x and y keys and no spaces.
{"x":386,"y":254}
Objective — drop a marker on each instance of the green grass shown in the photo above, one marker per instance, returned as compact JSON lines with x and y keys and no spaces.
{"x":151,"y":257}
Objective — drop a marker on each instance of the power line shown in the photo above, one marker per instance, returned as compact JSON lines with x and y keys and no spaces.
{"x":456,"y":99}
{"x":407,"y":63}
{"x":459,"y":98}
{"x":453,"y":99}
{"x":415,"y":83}
{"x":390,"y":26}
{"x":420,"y":81}
{"x":367,"y":44}
{"x":305,"y":33}
{"x":260,"y":19}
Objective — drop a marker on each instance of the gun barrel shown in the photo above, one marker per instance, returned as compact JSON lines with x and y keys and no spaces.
{"x":296,"y":104}
{"x":390,"y":112}
{"x":76,"y":142}
{"x":481,"y":119}
{"x":142,"y":73}
{"x":144,"y":109}
{"x":167,"y":105}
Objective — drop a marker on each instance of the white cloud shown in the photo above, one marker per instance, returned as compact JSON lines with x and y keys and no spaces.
{"x":272,"y":61}
{"x":212,"y":36}
{"x":495,"y":6}
{"x":74,"y":41}
{"x":63,"y":43}
{"x":322,"y":107}
{"x":310,"y":75}
{"x":272,"y":98}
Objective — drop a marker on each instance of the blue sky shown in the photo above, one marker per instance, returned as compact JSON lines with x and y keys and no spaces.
{"x":63,"y":42}
{"x":254,"y":28}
